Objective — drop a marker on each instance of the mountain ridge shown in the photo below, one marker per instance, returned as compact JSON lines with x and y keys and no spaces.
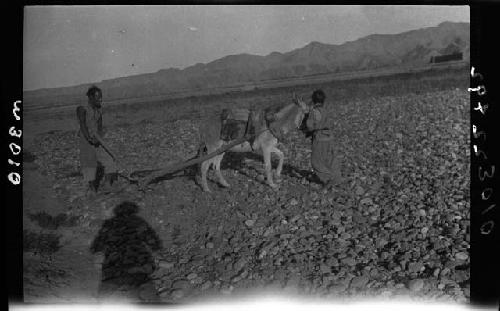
{"x":410,"y":48}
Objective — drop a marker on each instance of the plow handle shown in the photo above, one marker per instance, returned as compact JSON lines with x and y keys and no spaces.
{"x":111,"y":154}
{"x":105,"y":147}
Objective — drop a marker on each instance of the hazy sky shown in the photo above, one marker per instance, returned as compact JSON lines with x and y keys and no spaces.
{"x":69,"y":45}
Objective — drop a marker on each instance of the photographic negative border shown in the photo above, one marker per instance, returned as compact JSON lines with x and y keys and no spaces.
{"x":12,"y":147}
{"x":484,"y":193}
{"x":484,"y":126}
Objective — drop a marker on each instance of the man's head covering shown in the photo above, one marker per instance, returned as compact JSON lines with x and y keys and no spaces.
{"x":92,"y":91}
{"x":94,"y":95}
{"x":318,"y":97}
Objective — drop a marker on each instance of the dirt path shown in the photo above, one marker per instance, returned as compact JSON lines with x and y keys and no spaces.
{"x":68,"y":274}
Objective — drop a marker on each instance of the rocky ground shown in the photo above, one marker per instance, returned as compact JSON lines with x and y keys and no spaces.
{"x":401,"y":228}
{"x":57,"y":265}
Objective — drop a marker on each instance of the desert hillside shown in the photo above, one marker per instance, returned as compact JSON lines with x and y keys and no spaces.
{"x":412,"y":49}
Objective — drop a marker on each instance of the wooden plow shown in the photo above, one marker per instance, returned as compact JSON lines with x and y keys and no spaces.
{"x":128,"y":175}
{"x":171,"y":169}
{"x":179,"y":166}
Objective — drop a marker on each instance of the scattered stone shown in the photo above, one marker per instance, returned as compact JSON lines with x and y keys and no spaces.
{"x":366,"y":201}
{"x":445,"y":272}
{"x":166,"y":265}
{"x":436,"y":272}
{"x":197,"y":281}
{"x":177,"y":294}
{"x":333,"y":262}
{"x":239,"y":277}
{"x":192,"y":276}
{"x":348,"y":261}
{"x":399,"y":285}
{"x":462,"y":256}
{"x":181,"y":284}
{"x":148,"y":293}
{"x":165,"y":294}
{"x":359,"y":281}
{"x":359,"y":190}
{"x":338,"y":287}
{"x":325,"y":269}
{"x":415,"y":267}
{"x":240,"y":264}
{"x":206,"y":285}
{"x":416,"y":285}
{"x":381,"y":243}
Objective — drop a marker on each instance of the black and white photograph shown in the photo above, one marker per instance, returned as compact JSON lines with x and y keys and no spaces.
{"x":183,"y":154}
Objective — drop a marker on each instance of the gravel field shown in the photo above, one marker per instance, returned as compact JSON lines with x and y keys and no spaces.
{"x":401,"y":229}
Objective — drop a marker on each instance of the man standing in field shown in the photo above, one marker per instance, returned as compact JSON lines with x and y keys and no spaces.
{"x":91,"y":152}
{"x":325,"y":163}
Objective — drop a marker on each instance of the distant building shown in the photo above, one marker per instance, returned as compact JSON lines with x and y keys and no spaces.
{"x":446,"y":58}
{"x":248,"y":87}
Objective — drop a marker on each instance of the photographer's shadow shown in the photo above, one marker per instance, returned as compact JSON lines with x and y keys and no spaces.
{"x":127,"y":242}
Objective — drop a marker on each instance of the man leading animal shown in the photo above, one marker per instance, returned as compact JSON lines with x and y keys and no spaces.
{"x":91,"y":151}
{"x":324,"y":160}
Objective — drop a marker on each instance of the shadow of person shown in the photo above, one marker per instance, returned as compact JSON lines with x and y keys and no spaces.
{"x":128,"y":243}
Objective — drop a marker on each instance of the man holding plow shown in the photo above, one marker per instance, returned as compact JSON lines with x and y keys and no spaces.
{"x":91,"y":149}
